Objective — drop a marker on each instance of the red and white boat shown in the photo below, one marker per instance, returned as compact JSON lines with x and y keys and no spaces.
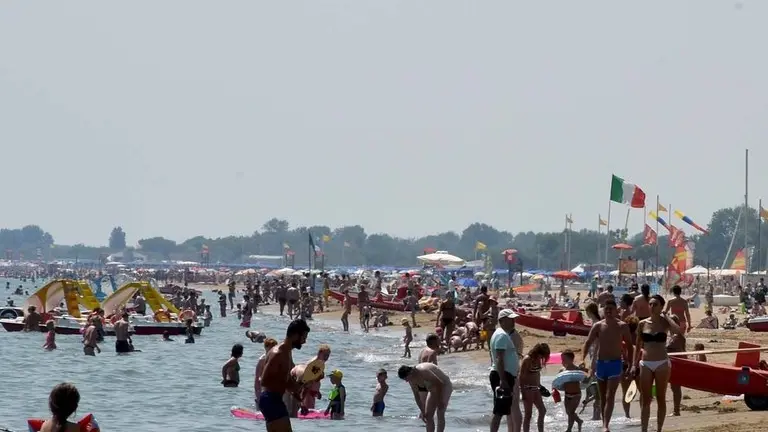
{"x":568,"y":321}
{"x":747,"y":376}
{"x":376,"y":303}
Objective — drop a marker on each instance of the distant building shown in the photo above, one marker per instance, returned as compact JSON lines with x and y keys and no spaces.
{"x":120,"y":257}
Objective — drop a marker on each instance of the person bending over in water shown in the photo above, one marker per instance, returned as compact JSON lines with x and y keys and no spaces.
{"x":255,"y":337}
{"x":276,"y":378}
{"x":377,"y":408}
{"x":230,"y":372}
{"x":609,"y":333}
{"x":50,"y":338}
{"x":62,"y":402}
{"x":439,"y":390}
{"x":310,"y":390}
{"x":268,"y":345}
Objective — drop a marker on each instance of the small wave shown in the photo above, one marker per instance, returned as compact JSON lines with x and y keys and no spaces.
{"x":376,"y":358}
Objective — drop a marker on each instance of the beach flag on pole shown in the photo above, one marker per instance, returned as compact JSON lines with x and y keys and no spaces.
{"x":662,"y":209}
{"x":690,"y":222}
{"x":649,"y":235}
{"x":480,"y":246}
{"x":601,"y":221}
{"x":763,"y":213}
{"x":626,"y":193}
{"x":326,"y":238}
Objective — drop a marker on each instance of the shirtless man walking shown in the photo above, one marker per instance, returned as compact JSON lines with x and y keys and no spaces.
{"x":122,"y":344}
{"x":292,"y":295}
{"x":439,"y":390}
{"x":609,"y":334}
{"x":276,"y":378}
{"x":362,"y":304}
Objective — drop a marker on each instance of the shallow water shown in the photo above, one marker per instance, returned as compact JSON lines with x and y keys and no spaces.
{"x":175,"y":386}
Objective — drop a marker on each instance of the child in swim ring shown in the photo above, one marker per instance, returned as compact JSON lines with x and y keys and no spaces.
{"x":571,"y":390}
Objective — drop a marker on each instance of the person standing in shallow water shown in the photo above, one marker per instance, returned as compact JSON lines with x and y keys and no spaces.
{"x":438,"y":386}
{"x":62,"y":402}
{"x":230,"y":372}
{"x":276,"y":378}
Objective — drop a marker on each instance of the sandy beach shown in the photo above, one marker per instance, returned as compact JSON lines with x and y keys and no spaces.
{"x":701,"y":412}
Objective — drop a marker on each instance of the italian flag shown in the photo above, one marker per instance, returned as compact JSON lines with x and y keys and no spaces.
{"x":626,"y":193}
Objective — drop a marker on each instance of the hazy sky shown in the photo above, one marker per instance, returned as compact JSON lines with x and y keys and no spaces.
{"x":180,"y":118}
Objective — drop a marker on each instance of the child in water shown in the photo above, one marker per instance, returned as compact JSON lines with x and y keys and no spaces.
{"x":62,"y":402}
{"x":571,"y":390}
{"x":336,"y":397}
{"x":50,"y":338}
{"x":377,"y":409}
{"x":208,"y":317}
{"x":167,"y":337}
{"x":408,"y":338}
{"x":190,"y":332}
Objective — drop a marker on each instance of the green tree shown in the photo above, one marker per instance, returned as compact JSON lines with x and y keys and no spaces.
{"x":117,"y":238}
{"x":158,"y":245}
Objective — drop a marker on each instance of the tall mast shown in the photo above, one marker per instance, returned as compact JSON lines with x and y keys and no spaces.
{"x":746,"y":207}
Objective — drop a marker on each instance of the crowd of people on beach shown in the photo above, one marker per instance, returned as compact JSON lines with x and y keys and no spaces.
{"x":630,"y":341}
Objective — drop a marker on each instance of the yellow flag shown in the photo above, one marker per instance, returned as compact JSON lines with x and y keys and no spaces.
{"x":480,"y":246}
{"x":764,"y":213}
{"x":662,"y":209}
{"x":326,"y":238}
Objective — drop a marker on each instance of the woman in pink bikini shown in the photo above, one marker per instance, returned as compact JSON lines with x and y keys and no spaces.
{"x":50,"y":338}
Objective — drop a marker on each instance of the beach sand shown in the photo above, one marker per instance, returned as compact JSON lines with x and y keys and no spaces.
{"x":701,"y":411}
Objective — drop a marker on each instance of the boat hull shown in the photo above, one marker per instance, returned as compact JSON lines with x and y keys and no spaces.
{"x":386,"y":305}
{"x":720,"y":378}
{"x":553,"y":325}
{"x":759,"y":324}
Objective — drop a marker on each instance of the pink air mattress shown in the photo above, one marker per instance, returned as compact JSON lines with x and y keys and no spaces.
{"x":248,"y":414}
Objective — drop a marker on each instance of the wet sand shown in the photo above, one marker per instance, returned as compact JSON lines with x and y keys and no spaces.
{"x":701,"y":411}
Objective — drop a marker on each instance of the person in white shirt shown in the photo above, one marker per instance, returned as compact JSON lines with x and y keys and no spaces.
{"x":506,"y":347}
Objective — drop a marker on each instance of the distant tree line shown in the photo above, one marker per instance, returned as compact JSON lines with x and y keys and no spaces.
{"x":352,"y":246}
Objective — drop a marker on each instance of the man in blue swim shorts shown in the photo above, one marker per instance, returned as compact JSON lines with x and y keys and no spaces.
{"x":276,"y":378}
{"x":613,"y":342}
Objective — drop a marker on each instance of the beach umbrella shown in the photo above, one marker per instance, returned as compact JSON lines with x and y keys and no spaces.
{"x":564,"y":274}
{"x":441,"y":258}
{"x":621,"y":246}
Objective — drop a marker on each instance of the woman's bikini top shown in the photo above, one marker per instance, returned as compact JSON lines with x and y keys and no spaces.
{"x":660,"y":337}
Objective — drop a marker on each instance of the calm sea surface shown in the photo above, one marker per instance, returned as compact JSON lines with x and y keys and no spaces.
{"x":174,"y":386}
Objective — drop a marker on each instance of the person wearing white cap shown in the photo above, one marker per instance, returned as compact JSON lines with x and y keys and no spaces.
{"x":505,"y":346}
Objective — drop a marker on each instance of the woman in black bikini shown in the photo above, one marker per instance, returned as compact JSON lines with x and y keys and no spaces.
{"x":530,"y":384}
{"x":230,"y":372}
{"x":654,"y":365}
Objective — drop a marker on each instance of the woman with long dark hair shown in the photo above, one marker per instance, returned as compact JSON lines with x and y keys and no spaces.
{"x":62,"y":402}
{"x":530,"y":385}
{"x":654,"y":367}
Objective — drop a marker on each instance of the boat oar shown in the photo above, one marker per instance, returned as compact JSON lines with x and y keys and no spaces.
{"x":720,"y":351}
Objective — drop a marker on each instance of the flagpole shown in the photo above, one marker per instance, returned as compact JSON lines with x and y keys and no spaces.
{"x":666,"y":266}
{"x":657,"y":238}
{"x":746,"y":205}
{"x":570,"y":239}
{"x":565,"y":243}
{"x":607,"y":233}
{"x":598,"y":238}
{"x":759,"y":227}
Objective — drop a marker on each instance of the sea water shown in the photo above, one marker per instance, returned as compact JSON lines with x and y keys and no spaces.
{"x":176,"y":386}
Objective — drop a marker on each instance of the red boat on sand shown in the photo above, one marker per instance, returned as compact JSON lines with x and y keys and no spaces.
{"x":397,"y":306}
{"x":568,"y":321}
{"x":747,"y":376}
{"x":758,"y":324}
